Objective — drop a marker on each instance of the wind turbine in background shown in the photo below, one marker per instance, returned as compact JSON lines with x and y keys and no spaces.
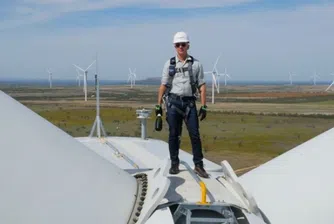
{"x":315,"y":76}
{"x":85,"y":77}
{"x":132,"y":77}
{"x":225,"y":77}
{"x":290,"y":77}
{"x":215,"y":74}
{"x":330,"y":84}
{"x":50,"y":77}
{"x":78,"y":77}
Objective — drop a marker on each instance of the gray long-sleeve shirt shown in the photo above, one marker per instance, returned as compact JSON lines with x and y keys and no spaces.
{"x":181,"y":82}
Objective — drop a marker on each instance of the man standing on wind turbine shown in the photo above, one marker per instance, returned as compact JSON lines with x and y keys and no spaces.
{"x":181,"y":78}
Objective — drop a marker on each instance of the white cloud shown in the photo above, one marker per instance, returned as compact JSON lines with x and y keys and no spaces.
{"x":35,"y":11}
{"x":254,"y":46}
{"x":162,"y":3}
{"x":199,"y":3}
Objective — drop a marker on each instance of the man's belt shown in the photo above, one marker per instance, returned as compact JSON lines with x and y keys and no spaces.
{"x":181,"y":98}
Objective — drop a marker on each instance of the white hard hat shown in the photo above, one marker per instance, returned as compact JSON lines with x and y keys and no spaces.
{"x":180,"y":37}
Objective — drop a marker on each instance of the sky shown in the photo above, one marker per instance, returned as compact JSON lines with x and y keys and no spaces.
{"x":257,"y":39}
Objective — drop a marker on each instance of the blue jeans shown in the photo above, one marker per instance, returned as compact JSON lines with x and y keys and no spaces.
{"x":175,"y":120}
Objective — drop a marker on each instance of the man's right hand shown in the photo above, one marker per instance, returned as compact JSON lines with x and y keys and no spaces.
{"x":202,"y":112}
{"x":158,"y":110}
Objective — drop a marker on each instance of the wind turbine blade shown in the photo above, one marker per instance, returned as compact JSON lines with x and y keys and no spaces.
{"x":216,"y":62}
{"x":79,"y":68}
{"x":329,"y":86}
{"x":215,"y":81}
{"x":90,"y":65}
{"x":78,"y":72}
{"x":214,"y":78}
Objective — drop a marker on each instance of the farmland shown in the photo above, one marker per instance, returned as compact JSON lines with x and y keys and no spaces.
{"x":246,"y":126}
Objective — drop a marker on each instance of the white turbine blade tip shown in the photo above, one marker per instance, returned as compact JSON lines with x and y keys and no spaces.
{"x":217,"y":60}
{"x":78,"y":68}
{"x":90,"y":65}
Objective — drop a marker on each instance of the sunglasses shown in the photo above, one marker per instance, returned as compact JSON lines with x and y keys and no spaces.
{"x":180,"y":44}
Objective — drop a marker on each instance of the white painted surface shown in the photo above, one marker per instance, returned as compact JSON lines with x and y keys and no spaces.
{"x":48,"y":177}
{"x":145,"y":153}
{"x":149,"y":154}
{"x":185,"y":188}
{"x":153,"y":153}
{"x":298,"y":186}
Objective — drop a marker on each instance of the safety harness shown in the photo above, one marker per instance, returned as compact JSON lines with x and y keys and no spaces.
{"x":172,"y":70}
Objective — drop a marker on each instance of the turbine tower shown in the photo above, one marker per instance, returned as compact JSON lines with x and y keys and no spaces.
{"x":85,"y":77}
{"x":98,"y":125}
{"x":50,"y":77}
{"x":330,"y":84}
{"x":214,"y":74}
{"x":315,"y":76}
{"x":132,"y":77}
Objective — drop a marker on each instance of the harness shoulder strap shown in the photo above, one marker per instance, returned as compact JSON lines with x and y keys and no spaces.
{"x":193,"y":80}
{"x":171,"y":73}
{"x":172,"y":61}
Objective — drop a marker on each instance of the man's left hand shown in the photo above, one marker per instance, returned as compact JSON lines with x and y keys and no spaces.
{"x":202,"y":112}
{"x":158,"y":110}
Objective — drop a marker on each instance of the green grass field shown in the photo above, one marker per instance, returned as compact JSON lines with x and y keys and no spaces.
{"x":237,"y":131}
{"x":242,"y":139}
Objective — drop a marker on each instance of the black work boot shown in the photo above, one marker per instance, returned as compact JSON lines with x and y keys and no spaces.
{"x":199,"y":169}
{"x":174,"y":169}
